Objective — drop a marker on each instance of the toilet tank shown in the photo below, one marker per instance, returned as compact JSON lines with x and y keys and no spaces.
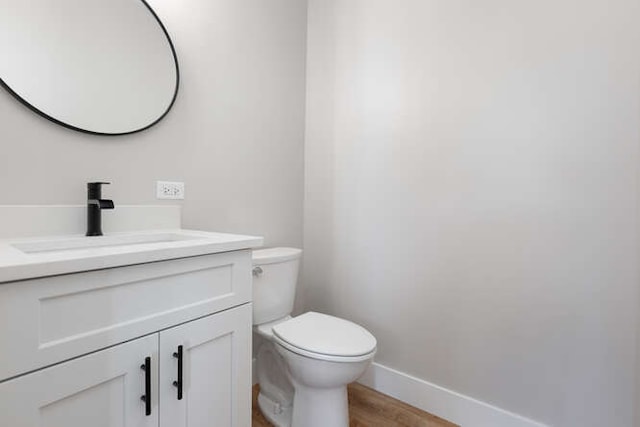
{"x":275,"y":275}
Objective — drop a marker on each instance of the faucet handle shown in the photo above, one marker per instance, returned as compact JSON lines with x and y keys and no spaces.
{"x":94,"y":190}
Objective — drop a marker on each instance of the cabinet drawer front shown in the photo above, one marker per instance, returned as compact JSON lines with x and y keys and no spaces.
{"x":53,"y":319}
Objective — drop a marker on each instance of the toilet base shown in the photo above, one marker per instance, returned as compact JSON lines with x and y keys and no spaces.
{"x":274,"y":412}
{"x":313,"y":407}
{"x":305,"y":390}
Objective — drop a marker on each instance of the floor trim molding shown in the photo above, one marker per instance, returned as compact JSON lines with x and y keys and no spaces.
{"x":447,"y":404}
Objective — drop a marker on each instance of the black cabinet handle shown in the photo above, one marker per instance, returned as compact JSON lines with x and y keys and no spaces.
{"x":178,"y":383}
{"x":146,"y":397}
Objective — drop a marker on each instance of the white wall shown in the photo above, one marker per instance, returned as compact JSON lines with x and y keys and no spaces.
{"x":471,"y":194}
{"x":235,"y":135}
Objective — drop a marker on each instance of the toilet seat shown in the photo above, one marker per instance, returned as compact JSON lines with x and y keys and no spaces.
{"x":265,"y":330}
{"x":323,"y":337}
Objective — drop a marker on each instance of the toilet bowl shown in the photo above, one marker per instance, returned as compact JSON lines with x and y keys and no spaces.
{"x":305,"y":362}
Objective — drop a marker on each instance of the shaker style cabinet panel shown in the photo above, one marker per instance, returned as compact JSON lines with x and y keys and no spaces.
{"x":103,"y":389}
{"x":115,"y":305}
{"x":205,"y":370}
{"x":96,"y":349}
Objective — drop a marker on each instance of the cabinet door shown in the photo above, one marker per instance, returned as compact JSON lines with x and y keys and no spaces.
{"x":216,"y":371}
{"x":102,"y":389}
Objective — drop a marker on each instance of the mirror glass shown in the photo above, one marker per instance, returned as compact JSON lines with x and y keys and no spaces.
{"x":97,"y":66}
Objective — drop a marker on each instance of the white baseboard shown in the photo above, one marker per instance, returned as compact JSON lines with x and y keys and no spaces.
{"x":455,"y":407}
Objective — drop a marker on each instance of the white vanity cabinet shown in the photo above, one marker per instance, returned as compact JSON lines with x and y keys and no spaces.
{"x":72,"y":347}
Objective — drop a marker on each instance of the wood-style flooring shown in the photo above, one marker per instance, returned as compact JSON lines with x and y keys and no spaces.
{"x":368,"y":408}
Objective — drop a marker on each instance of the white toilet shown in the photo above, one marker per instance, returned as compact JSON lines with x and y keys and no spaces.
{"x":305,"y":362}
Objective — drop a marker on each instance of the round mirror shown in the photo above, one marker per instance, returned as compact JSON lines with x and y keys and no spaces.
{"x":99,"y":66}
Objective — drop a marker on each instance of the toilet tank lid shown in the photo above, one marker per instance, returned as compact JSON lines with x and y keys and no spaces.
{"x":275,"y":255}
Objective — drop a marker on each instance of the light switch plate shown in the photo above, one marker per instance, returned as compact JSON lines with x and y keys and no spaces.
{"x":170,"y":190}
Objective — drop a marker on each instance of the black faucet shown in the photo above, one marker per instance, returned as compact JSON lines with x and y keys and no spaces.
{"x":95,"y":204}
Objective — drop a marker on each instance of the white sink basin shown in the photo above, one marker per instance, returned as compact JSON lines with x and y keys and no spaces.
{"x":49,"y":256}
{"x":81,"y":243}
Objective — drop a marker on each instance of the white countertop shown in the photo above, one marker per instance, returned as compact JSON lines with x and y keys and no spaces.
{"x":16,"y":264}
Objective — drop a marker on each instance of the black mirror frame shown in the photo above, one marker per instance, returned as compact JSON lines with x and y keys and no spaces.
{"x":68,"y":126}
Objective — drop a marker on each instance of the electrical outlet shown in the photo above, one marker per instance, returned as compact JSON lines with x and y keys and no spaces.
{"x":170,"y":190}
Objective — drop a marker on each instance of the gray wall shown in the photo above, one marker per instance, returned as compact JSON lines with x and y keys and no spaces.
{"x":471,"y":194}
{"x":235,"y":135}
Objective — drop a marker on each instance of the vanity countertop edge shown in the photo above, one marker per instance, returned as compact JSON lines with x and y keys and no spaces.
{"x":16,"y":265}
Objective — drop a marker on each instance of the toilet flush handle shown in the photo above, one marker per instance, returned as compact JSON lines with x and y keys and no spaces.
{"x":257,"y":271}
